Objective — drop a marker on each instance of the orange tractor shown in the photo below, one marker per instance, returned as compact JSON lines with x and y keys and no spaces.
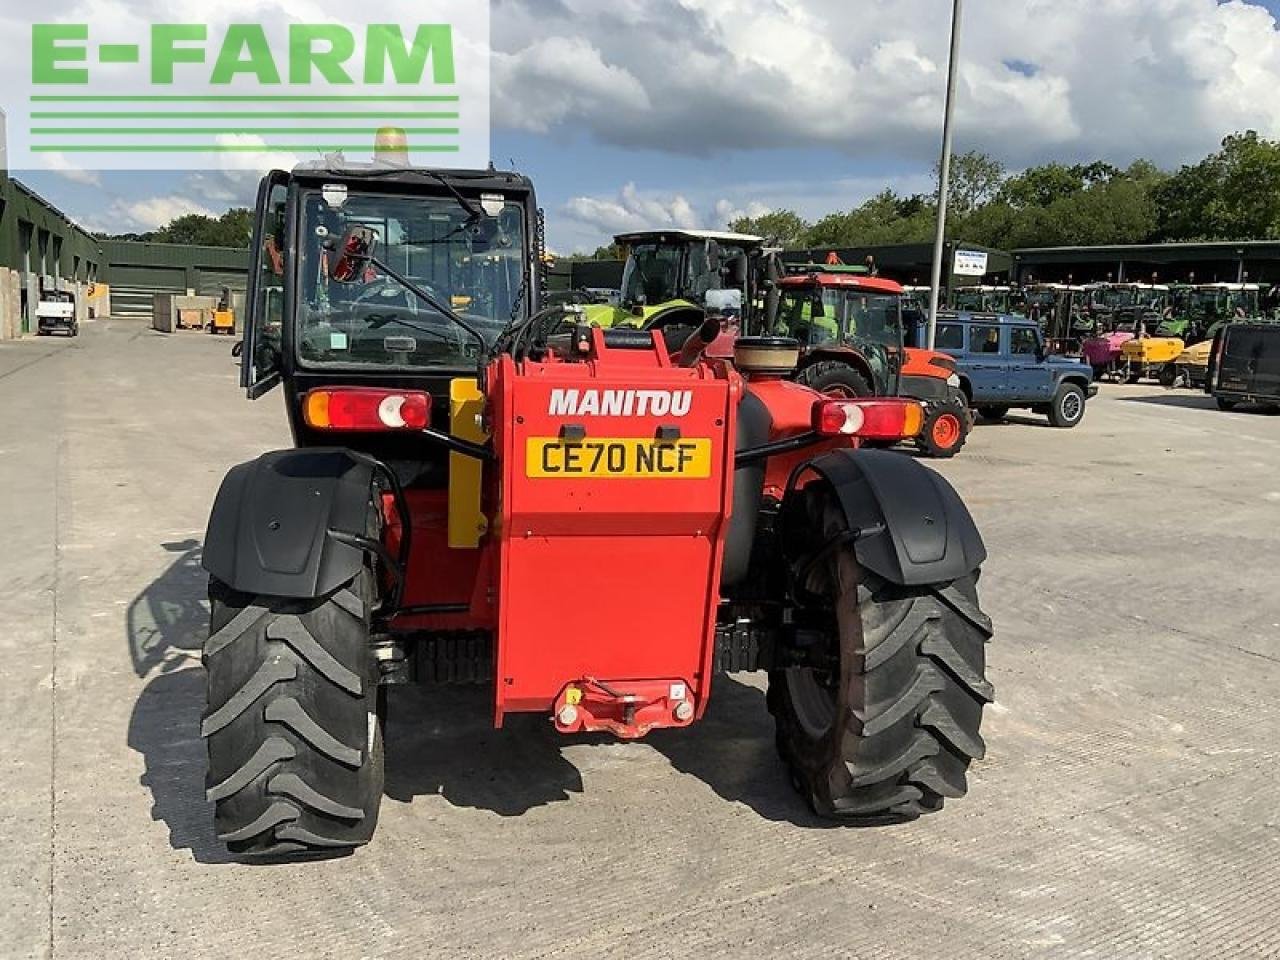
{"x":477,"y":479}
{"x":852,"y":329}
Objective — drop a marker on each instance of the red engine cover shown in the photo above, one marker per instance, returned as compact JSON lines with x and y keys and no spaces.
{"x":615,"y":492}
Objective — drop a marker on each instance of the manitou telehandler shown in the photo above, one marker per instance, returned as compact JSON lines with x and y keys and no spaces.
{"x":476,"y":481}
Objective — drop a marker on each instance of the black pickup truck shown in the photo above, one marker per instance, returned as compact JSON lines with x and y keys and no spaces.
{"x":1244,"y":365}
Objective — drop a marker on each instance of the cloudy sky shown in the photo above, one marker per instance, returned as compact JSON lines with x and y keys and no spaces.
{"x":637,"y":113}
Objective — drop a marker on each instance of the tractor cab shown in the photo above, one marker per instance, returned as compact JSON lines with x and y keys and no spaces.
{"x":685,"y":271}
{"x":984,"y":298}
{"x":1060,"y":310}
{"x":1199,"y":307}
{"x":370,"y":273}
{"x":859,"y":336}
{"x":843,"y":312}
{"x":1126,"y":310}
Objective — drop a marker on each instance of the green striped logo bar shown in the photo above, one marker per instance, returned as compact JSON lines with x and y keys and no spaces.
{"x":242,"y":92}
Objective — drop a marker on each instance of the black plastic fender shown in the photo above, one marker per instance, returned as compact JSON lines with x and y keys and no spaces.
{"x":273,"y":525}
{"x":911,"y":526}
{"x":754,"y":426}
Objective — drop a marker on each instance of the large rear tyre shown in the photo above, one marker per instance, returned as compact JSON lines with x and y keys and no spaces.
{"x":945,"y":429}
{"x":292,"y":727}
{"x":886,"y":731}
{"x":993,"y":413}
{"x":835,"y":379}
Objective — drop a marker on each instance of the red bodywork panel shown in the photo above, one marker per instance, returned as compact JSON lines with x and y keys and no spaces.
{"x":606,"y":582}
{"x":601,"y":590}
{"x":854,"y":281}
{"x":463,"y":581}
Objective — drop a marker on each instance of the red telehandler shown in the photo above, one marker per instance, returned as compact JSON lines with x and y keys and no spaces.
{"x":474,"y":484}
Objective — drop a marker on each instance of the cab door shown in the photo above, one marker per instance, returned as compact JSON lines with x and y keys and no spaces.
{"x":1029,"y":376}
{"x":261,"y":350}
{"x":986,"y":363}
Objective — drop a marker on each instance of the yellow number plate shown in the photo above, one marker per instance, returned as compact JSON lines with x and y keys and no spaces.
{"x":607,"y":457}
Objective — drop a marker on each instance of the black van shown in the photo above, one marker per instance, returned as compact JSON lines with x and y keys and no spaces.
{"x":1244,"y":364}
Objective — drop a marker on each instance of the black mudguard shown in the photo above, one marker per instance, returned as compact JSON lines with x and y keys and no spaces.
{"x":273,"y":523}
{"x":754,"y":426}
{"x":914,"y":527}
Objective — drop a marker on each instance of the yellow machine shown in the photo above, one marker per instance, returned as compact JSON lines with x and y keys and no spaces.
{"x":1190,"y":368}
{"x":224,"y":315}
{"x":1146,"y":356}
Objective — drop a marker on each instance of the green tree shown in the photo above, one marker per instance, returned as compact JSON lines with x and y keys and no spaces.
{"x":233,"y":229}
{"x":612,"y":251}
{"x":975,"y":179}
{"x":884,"y":218}
{"x":1233,"y":194}
{"x":784,"y":228}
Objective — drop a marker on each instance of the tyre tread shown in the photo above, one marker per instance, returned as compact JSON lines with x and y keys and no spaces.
{"x":915,"y":706}
{"x":295,"y":762}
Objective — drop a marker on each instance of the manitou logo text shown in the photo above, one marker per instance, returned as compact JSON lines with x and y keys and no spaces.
{"x":620,"y":403}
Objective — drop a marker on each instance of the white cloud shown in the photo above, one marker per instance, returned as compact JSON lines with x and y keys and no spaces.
{"x":727,"y":211}
{"x":69,"y":171}
{"x":149,"y":213}
{"x":557,"y":79}
{"x":586,"y":222}
{"x":632,"y":210}
{"x":1114,"y":79}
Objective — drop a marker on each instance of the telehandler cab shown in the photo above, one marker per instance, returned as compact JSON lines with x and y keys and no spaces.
{"x":476,"y":480}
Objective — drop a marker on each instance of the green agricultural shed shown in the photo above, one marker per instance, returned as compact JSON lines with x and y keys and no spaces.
{"x":40,"y":249}
{"x":911,"y":263}
{"x":139,"y":271}
{"x":580,"y":274}
{"x":1208,"y":262}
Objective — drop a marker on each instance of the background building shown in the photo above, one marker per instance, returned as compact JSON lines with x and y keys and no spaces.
{"x":40,"y":249}
{"x":1231,"y":261}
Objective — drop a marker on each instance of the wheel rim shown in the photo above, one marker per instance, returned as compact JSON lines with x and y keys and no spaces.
{"x":840,"y":392}
{"x":946,"y":431}
{"x":1072,"y":407}
{"x":813,"y":703}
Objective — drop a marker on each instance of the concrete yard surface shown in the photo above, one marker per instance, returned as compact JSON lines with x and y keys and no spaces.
{"x":1126,"y":808}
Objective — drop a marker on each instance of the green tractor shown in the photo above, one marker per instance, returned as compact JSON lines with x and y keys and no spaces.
{"x":985,"y":298}
{"x":1199,"y":307}
{"x":683,"y":271}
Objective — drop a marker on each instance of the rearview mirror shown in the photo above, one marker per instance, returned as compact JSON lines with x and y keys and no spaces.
{"x":817,"y":307}
{"x":357,"y":250}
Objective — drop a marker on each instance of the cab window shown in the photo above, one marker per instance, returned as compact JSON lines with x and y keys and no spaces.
{"x":1024,"y":340}
{"x":949,"y":336}
{"x":984,"y":338}
{"x":800,"y":317}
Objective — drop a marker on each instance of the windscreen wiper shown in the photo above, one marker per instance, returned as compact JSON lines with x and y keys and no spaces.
{"x":431,"y":301}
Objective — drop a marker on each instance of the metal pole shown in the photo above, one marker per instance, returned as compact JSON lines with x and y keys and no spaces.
{"x":944,"y":173}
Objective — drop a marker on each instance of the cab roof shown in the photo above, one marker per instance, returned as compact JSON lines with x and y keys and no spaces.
{"x":853,"y":281}
{"x":975,"y":316}
{"x":638,"y":235}
{"x":1126,"y":285}
{"x":338,"y":170}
